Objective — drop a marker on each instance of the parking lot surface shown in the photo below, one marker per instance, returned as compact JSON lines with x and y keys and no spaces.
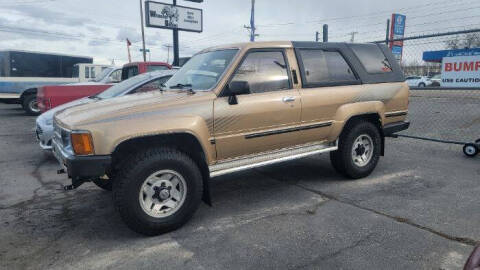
{"x":418,"y":210}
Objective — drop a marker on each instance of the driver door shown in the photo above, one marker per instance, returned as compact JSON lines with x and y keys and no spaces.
{"x":266,"y":117}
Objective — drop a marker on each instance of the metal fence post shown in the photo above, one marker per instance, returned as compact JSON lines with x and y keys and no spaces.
{"x":325,"y":33}
{"x":387,"y":32}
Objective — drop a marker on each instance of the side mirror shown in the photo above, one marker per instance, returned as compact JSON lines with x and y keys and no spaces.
{"x":237,"y":88}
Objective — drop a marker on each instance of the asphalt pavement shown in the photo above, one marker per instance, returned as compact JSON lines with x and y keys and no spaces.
{"x":418,"y":210}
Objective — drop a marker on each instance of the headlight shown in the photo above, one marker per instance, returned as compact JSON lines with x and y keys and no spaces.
{"x":65,"y":140}
{"x":82,"y":143}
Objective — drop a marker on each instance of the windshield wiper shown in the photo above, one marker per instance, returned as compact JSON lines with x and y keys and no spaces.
{"x":180,"y":86}
{"x":186,"y":87}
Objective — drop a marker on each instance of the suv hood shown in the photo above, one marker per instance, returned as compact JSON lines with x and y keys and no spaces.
{"x":103,"y":110}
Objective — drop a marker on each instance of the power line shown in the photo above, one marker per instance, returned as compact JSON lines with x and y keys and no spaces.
{"x":25,"y":3}
{"x":371,"y":15}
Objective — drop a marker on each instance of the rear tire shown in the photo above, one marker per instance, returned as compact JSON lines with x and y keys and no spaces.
{"x":158,"y":190}
{"x":30,"y":104}
{"x":358,"y":151}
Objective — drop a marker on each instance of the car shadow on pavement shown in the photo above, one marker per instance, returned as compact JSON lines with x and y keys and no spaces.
{"x":88,"y":213}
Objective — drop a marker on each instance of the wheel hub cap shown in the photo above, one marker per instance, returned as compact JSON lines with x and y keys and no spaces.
{"x":162,"y":193}
{"x":362,"y":150}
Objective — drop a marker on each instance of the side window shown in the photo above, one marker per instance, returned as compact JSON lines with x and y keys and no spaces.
{"x":264,"y":71}
{"x":116,"y":76}
{"x":129,"y":72}
{"x":372,"y":58}
{"x":87,"y":72}
{"x":153,"y":85}
{"x":92,"y":72}
{"x":152,"y":68}
{"x":325,"y":67}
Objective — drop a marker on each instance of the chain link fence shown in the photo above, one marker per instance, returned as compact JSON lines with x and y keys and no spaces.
{"x":436,"y":111}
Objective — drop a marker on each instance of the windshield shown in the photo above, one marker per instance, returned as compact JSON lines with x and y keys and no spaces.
{"x":202,"y":71}
{"x":102,"y":74}
{"x":119,"y":88}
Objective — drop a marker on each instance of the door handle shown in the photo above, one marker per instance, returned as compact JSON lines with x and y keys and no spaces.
{"x":288,"y":99}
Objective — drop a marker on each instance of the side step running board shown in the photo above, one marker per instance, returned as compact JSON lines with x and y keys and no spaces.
{"x":267,"y":158}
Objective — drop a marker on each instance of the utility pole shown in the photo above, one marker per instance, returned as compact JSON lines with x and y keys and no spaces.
{"x":325,"y":33}
{"x":176,"y":56}
{"x":252,"y":28}
{"x":387,"y":33}
{"x":168,"y":52}
{"x":352,"y":39}
{"x":316,"y":36}
{"x":143,"y":33}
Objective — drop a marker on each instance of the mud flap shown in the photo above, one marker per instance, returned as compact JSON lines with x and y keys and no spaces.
{"x":206,"y":192}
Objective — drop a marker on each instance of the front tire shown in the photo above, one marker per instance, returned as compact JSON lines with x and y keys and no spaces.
{"x":358,"y":150}
{"x":421,"y":84}
{"x":158,"y":191}
{"x":30,"y":105}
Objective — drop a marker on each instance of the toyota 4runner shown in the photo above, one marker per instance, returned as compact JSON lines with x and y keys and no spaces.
{"x":232,"y":108}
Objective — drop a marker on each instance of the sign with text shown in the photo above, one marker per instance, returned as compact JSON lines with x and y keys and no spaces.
{"x":461,"y":71}
{"x":397,"y":31}
{"x":168,"y":16}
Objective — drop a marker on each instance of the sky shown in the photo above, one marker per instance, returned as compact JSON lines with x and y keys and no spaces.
{"x":98,"y":28}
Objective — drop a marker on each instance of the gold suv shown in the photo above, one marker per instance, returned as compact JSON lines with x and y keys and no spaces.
{"x":231,"y":108}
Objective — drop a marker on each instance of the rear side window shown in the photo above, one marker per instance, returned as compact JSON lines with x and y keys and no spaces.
{"x":325,"y":67}
{"x":372,"y":58}
{"x":129,"y":72}
{"x":152,"y":68}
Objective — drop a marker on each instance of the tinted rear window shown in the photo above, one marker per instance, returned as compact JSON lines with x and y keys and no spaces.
{"x":152,"y":68}
{"x":128,"y":72}
{"x":372,"y":58}
{"x":325,"y":67}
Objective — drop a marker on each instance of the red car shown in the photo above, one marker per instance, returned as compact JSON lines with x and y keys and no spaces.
{"x":49,"y":97}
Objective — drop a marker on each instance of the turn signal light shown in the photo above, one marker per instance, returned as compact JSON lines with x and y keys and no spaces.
{"x":82,"y":143}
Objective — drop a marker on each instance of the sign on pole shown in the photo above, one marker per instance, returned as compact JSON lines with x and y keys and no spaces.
{"x":461,"y":71}
{"x":397,"y":31}
{"x":168,"y":16}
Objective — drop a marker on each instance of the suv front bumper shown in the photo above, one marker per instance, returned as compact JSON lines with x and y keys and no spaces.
{"x":81,"y":168}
